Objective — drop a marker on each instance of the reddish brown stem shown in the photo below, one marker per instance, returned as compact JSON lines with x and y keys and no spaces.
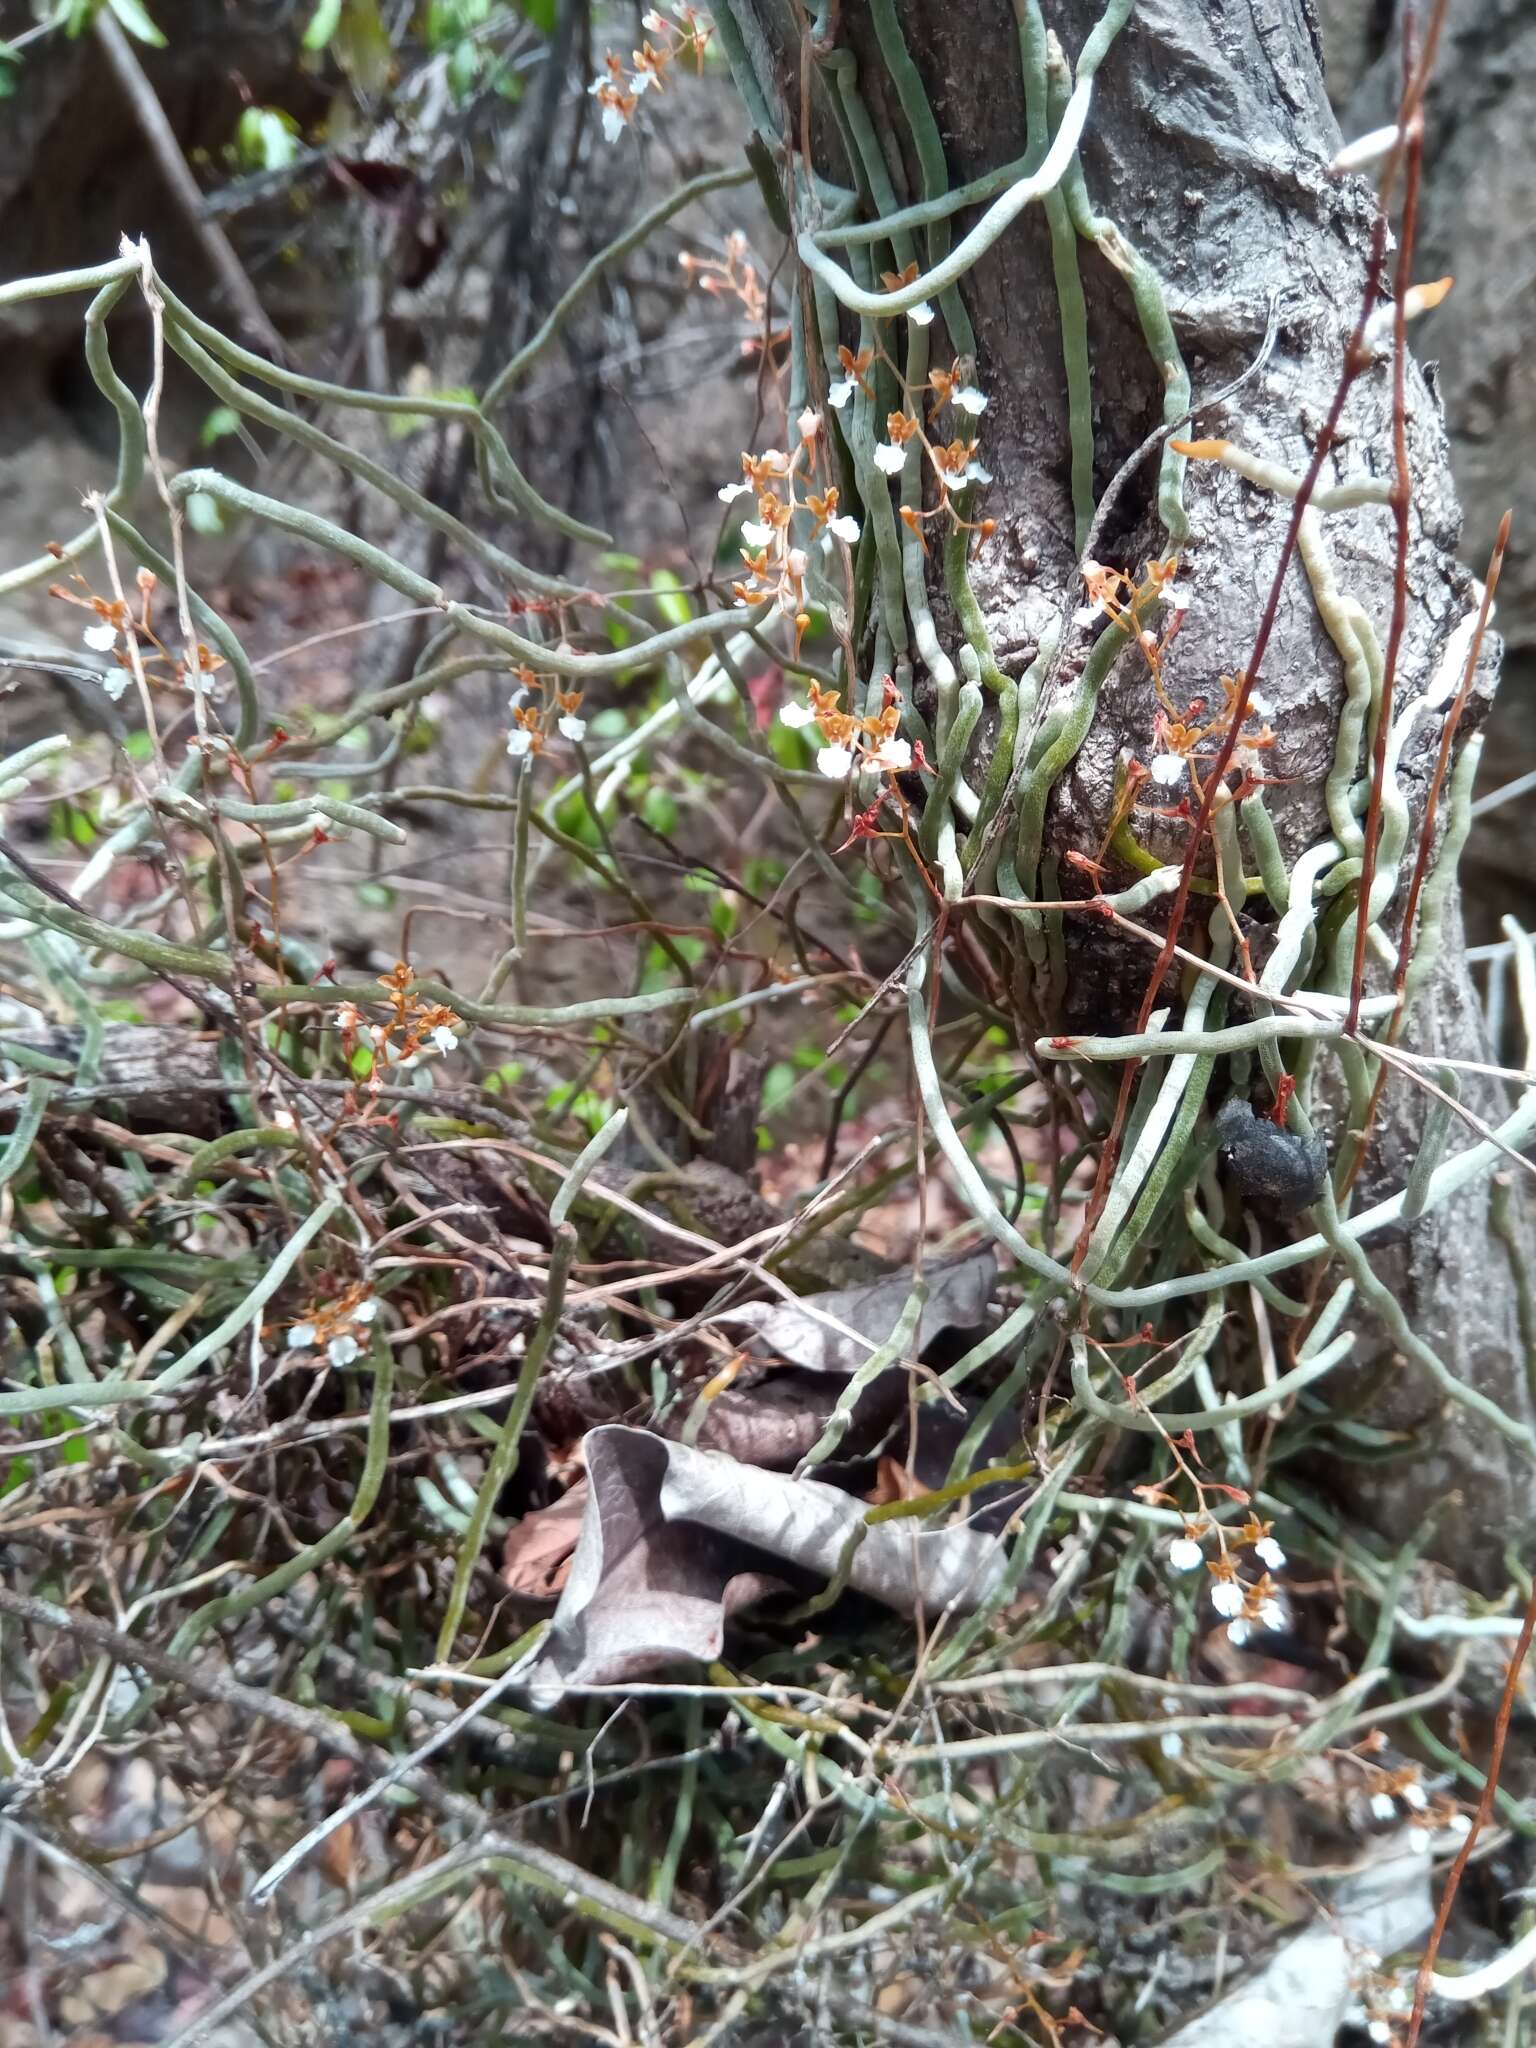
{"x":1426,"y":845}
{"x":1479,"y":1822}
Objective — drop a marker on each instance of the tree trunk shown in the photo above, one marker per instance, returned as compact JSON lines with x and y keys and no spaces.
{"x":1207,"y":147}
{"x":1478,"y":174}
{"x":1477,"y":346}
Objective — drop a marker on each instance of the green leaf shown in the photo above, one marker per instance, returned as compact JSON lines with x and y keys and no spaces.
{"x":203,"y":514}
{"x":1368,"y":1434}
{"x":267,"y":138}
{"x":539,"y":14}
{"x":575,"y":818}
{"x":762,"y":876}
{"x":221,"y":421}
{"x":661,"y":969}
{"x":564,"y":1099}
{"x":777,"y":1083}
{"x":133,"y":18}
{"x":464,"y":69}
{"x":77,"y":1451}
{"x":377,"y":895}
{"x":658,"y":808}
{"x":872,"y":894}
{"x":448,"y":20}
{"x":670,"y":601}
{"x":400,"y":425}
{"x":363,"y":47}
{"x":10,"y":66}
{"x":323,"y":24}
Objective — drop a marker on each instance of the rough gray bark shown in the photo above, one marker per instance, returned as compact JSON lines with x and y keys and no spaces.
{"x":1479,"y":200}
{"x":1208,"y":144}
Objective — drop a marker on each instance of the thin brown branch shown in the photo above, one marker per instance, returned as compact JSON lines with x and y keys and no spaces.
{"x":1426,"y":845}
{"x":1479,"y":1821}
{"x":166,"y":151}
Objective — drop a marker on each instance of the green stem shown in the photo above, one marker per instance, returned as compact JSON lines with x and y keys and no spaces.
{"x":503,"y":1459}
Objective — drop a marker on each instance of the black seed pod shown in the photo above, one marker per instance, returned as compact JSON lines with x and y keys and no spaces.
{"x":1275,"y":1169}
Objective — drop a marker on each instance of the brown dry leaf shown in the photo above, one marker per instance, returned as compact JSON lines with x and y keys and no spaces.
{"x":537,"y":1559}
{"x":566,"y":1461}
{"x":900,"y":1994}
{"x":108,"y":1991}
{"x":187,"y":1907}
{"x":338,"y":1854}
{"x":893,"y":1481}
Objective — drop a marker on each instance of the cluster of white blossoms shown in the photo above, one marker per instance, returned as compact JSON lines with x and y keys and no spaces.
{"x":1384,"y":1803}
{"x":414,"y":1028}
{"x":335,"y":1328}
{"x":618,"y":91}
{"x":133,"y":640}
{"x":1179,"y":733}
{"x":953,"y":464}
{"x":1168,"y":767}
{"x":354,"y":1025}
{"x":775,"y":550}
{"x":850,"y":741}
{"x":1244,"y":1606}
{"x":537,"y":708}
{"x":1397,"y":1794}
{"x":1381,"y":2019}
{"x":104,"y":638}
{"x":791,"y":517}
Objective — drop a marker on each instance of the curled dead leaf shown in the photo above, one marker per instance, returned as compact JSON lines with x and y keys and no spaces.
{"x":674,"y":1540}
{"x":836,"y":1331}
